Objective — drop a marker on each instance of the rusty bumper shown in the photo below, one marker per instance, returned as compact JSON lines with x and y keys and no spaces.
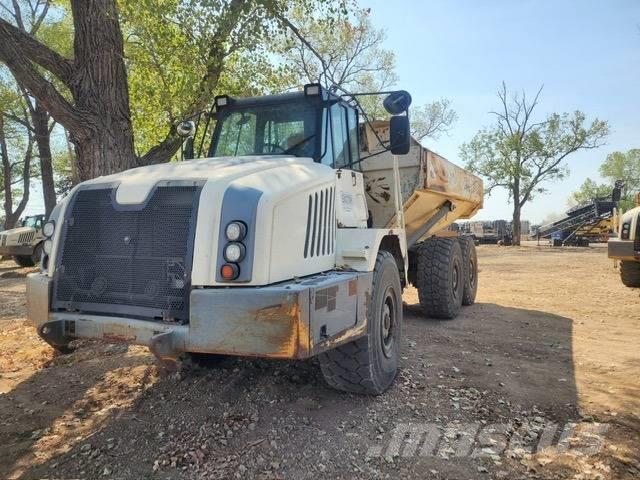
{"x":296,"y":319}
{"x":622,"y":249}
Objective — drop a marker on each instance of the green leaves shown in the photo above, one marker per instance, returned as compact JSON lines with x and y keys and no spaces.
{"x":522,"y":154}
{"x":590,"y":190}
{"x":180,"y":54}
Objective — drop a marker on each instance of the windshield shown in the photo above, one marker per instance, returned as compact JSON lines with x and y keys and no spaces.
{"x":33,"y":222}
{"x":287,"y":128}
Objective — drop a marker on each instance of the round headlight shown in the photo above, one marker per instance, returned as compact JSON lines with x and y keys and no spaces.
{"x":235,"y":231}
{"x":234,"y":252}
{"x":49,"y":228}
{"x":48,"y":246}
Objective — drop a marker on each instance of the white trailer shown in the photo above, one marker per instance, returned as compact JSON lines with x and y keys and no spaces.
{"x":294,"y":238}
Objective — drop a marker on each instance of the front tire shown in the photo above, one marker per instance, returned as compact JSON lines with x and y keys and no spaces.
{"x":369,"y":365}
{"x":440,"y":277}
{"x":24,"y":260}
{"x":630,"y":273}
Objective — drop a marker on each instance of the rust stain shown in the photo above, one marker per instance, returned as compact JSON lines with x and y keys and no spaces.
{"x":289,"y":337}
{"x":353,"y":287}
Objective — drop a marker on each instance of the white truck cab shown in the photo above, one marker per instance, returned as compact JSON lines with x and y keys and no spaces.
{"x":273,"y":246}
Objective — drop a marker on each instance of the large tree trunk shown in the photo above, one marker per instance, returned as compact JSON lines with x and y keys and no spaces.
{"x":104,"y":137}
{"x":103,"y":152}
{"x":40,"y":118}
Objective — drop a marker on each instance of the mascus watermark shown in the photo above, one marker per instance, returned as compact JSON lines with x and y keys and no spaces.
{"x":492,"y":440}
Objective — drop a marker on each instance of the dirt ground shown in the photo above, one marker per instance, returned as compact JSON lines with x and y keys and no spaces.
{"x":551,"y":346}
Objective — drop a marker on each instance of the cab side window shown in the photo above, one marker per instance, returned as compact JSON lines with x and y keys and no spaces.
{"x":327,"y":143}
{"x":352,"y":118}
{"x":340,"y":139}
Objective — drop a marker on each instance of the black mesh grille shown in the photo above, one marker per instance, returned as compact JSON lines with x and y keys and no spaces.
{"x":636,"y":241}
{"x":134,"y":261}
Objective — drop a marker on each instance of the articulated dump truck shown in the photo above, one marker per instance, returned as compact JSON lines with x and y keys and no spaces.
{"x":293,"y":238}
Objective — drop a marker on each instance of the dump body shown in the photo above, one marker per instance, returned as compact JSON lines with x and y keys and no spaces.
{"x":427,"y":180}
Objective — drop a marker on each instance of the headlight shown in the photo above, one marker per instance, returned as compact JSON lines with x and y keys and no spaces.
{"x":235,"y":231}
{"x":234,"y":252}
{"x":49,"y":228}
{"x":48,"y":246}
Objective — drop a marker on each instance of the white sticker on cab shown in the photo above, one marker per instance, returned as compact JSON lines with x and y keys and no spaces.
{"x":347,"y":201}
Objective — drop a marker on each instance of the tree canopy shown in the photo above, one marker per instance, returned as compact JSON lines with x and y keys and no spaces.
{"x":522,"y":153}
{"x":91,"y":93}
{"x":624,"y":166}
{"x":349,"y":54}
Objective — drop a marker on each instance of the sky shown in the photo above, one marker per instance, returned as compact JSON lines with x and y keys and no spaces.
{"x":586,"y":53}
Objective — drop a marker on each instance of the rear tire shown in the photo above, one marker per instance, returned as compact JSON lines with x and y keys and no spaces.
{"x":470,"y":263}
{"x":24,"y":260}
{"x":440,"y":277}
{"x":369,"y":365}
{"x":630,"y":273}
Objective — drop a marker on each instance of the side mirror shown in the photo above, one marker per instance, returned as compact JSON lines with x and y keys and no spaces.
{"x":186,"y":129}
{"x":397,"y":102}
{"x":399,"y":135}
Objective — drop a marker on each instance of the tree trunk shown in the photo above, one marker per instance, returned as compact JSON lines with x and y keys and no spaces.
{"x":515,"y":220}
{"x":103,"y":138}
{"x":6,"y":177}
{"x":102,"y":153}
{"x":73,"y":161}
{"x":40,"y":119}
{"x":515,"y":227}
{"x":11,"y":216}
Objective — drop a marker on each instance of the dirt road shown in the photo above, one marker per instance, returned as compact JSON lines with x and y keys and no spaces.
{"x":552,"y":342}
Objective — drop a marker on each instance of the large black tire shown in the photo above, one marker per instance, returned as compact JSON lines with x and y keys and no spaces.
{"x":630,"y":273}
{"x":440,"y":277}
{"x":470,"y":263}
{"x":24,"y":260}
{"x":369,"y":365}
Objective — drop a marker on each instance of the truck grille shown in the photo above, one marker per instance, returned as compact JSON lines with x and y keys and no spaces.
{"x":636,"y":241}
{"x":130,"y":260}
{"x":26,"y":237}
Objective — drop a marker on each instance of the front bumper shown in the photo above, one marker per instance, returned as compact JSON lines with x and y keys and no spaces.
{"x":293,"y":320}
{"x":622,"y":249}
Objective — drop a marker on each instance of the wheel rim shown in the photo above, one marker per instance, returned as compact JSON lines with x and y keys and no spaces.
{"x":388,"y":323}
{"x":455,"y":280}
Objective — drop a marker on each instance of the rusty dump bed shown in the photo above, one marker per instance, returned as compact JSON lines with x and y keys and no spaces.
{"x":427,"y":180}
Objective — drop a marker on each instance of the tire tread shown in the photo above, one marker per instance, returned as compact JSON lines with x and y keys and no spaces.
{"x":350,"y":367}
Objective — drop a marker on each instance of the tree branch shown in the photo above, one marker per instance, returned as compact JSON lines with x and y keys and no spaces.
{"x":29,"y":77}
{"x":25,"y":45}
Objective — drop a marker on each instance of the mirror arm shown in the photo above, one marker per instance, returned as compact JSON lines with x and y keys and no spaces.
{"x":362,"y":159}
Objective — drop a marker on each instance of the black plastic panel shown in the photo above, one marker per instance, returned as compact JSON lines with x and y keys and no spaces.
{"x":133,"y":260}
